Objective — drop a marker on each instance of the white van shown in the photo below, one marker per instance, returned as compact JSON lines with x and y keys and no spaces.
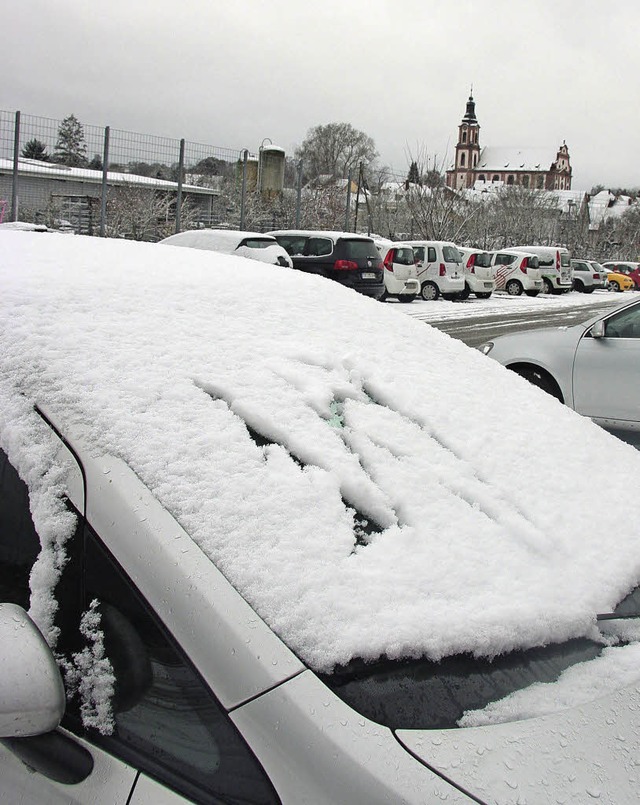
{"x":478,"y":274}
{"x":400,"y":272}
{"x":555,"y":267}
{"x":516,"y":272}
{"x":439,"y":268}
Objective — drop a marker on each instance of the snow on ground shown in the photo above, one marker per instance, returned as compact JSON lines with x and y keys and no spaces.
{"x":272,"y":412}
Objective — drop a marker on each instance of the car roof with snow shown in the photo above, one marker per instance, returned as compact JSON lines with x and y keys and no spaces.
{"x":316,"y":445}
{"x":221,"y":240}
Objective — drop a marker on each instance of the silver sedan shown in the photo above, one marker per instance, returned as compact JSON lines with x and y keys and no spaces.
{"x":593,"y":367}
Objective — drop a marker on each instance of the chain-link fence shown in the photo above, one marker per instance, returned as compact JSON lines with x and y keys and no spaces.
{"x":102,"y":181}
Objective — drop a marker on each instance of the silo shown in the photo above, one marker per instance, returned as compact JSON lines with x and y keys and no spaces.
{"x":271,"y":171}
{"x":253,"y":170}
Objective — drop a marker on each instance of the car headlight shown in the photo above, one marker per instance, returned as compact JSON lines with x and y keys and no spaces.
{"x":486,"y":347}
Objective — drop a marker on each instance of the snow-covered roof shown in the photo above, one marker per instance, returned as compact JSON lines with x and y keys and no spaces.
{"x":50,"y":170}
{"x":496,"y":158}
{"x":264,"y":407}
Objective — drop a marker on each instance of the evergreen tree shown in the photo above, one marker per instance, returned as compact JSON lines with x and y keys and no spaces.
{"x":96,"y":163}
{"x":414,"y":174}
{"x":35,"y":149}
{"x":71,"y":148}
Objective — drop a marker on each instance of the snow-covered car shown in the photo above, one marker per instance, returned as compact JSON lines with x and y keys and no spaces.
{"x":593,"y":367}
{"x":478,"y":273}
{"x":588,"y":276}
{"x":266,"y":559}
{"x":253,"y":245}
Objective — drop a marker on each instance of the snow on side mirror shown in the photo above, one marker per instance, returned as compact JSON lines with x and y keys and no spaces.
{"x":32,"y":696}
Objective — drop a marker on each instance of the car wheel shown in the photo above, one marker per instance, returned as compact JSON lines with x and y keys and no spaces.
{"x":532,"y":293}
{"x":514,"y":288}
{"x":538,"y":377}
{"x":451,"y":297}
{"x":578,"y":286}
{"x":614,"y":286}
{"x":483,"y":294}
{"x":406,"y":297}
{"x":464,"y":294}
{"x":547,"y":287}
{"x":429,"y":292}
{"x":384,"y":297}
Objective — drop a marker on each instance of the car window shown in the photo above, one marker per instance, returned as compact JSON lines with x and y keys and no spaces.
{"x":483,"y":260}
{"x":166,"y":721}
{"x":504,"y":259}
{"x":404,"y":256}
{"x":450,"y":254}
{"x":431,"y":255}
{"x":564,"y":260}
{"x":317,"y":247}
{"x":257,"y":243}
{"x":579,"y":266}
{"x":360,"y":249}
{"x":625,"y":324}
{"x":293,"y":244}
{"x":419,"y":252}
{"x":19,"y":543}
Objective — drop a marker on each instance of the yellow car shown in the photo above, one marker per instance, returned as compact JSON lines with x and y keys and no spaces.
{"x":619,"y":282}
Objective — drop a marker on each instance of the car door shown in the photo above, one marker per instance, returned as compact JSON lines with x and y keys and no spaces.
{"x":606,"y":372}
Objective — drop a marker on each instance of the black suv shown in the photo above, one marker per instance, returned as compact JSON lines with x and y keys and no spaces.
{"x":352,"y":260}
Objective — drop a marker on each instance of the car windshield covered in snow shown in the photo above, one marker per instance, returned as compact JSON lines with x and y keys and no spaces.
{"x":315,"y":445}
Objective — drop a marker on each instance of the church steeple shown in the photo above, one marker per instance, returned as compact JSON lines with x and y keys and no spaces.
{"x":468,"y":147}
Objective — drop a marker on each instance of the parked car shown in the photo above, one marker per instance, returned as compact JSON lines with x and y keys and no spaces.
{"x":588,"y":276}
{"x":253,"y":245}
{"x":618,"y":281}
{"x":344,"y":257}
{"x":516,"y":272}
{"x":555,"y":267}
{"x":630,"y":269}
{"x":439,"y":269}
{"x":400,"y":274}
{"x":272,"y":562}
{"x":478,"y":274}
{"x":593,"y":367}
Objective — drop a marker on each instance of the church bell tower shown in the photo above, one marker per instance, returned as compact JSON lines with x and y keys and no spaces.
{"x":467,"y":148}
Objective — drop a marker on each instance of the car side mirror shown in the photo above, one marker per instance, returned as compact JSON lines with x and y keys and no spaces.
{"x":32,"y":699}
{"x":597,"y":331}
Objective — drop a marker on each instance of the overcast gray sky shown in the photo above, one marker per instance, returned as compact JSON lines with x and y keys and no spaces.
{"x":232,"y":73}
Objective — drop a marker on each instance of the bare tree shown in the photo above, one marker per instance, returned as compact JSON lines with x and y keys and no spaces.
{"x":334,"y":150}
{"x":141,"y":214}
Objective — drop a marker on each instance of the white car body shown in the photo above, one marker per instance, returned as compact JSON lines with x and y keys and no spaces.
{"x":400,"y":272}
{"x":588,"y":276}
{"x":439,"y":268}
{"x":254,"y":245}
{"x":516,"y":272}
{"x":593,"y":367}
{"x":274,"y":562}
{"x":555,"y":267}
{"x":478,"y":274}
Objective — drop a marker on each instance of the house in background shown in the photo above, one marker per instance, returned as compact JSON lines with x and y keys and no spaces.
{"x":50,"y":193}
{"x":538,"y":168}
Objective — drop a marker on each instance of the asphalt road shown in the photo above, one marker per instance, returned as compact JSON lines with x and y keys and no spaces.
{"x":475,"y":330}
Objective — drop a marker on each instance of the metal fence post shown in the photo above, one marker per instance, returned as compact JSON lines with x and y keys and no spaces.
{"x":105,"y":187}
{"x":299,"y":195}
{"x":16,"y":157}
{"x":348,"y":205}
{"x":244,"y":186}
{"x":180,"y":177}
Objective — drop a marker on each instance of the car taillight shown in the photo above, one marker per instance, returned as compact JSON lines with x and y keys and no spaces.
{"x":443,"y":270}
{"x":388,"y":260}
{"x":524,"y":264}
{"x":471,"y":263}
{"x":345,"y":265}
{"x":596,"y":276}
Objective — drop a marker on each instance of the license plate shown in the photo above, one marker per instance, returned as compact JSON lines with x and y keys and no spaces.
{"x":368,"y":275}
{"x":488,"y":285}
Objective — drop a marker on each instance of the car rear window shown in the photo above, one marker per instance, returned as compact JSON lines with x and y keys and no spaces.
{"x":355,"y":249}
{"x":564,"y":260}
{"x":293,"y":244}
{"x":404,"y":256}
{"x":316,"y":247}
{"x":451,"y":254}
{"x":257,"y":243}
{"x":483,"y":260}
